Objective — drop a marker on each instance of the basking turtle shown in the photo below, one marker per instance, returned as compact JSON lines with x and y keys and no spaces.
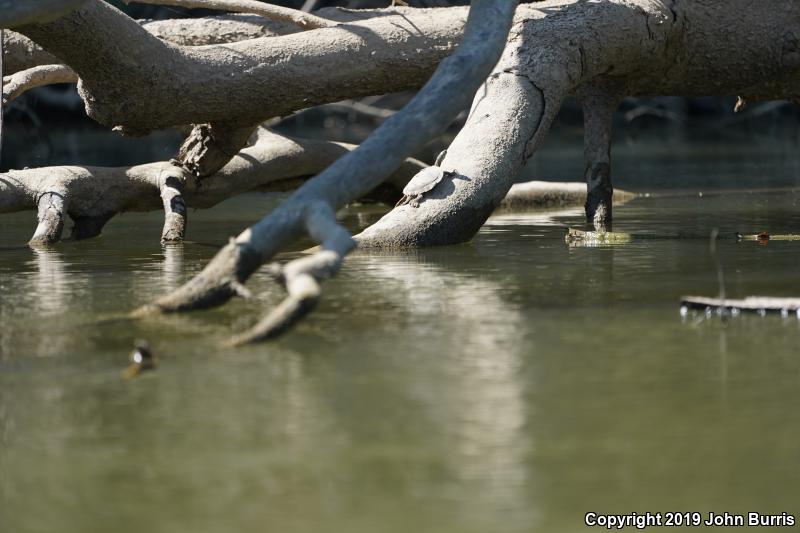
{"x":141,"y":359}
{"x":424,"y":180}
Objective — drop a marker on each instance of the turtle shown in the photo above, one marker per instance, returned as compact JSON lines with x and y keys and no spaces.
{"x":423,"y":181}
{"x":141,"y":359}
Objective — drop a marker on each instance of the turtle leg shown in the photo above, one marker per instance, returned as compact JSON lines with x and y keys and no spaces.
{"x":598,"y":111}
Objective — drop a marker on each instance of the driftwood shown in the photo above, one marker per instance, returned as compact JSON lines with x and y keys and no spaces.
{"x":597,"y":51}
{"x":764,"y":237}
{"x":311,"y":208}
{"x":761,"y":305}
{"x":576,"y":237}
{"x":551,"y":194}
{"x":91,"y":196}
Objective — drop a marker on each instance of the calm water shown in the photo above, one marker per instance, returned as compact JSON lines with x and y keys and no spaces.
{"x":511,"y":384}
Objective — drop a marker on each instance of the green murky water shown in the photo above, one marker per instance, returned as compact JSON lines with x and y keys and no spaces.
{"x":512,"y":384}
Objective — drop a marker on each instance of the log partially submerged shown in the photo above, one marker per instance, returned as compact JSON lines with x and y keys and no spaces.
{"x":597,"y":51}
{"x":764,"y":237}
{"x":594,"y":238}
{"x":545,"y":194}
{"x":761,"y":305}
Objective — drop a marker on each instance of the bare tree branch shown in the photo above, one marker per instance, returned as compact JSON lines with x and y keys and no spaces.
{"x":253,"y":7}
{"x":25,"y":80}
{"x":431,"y":110}
{"x":21,"y":53}
{"x":301,"y":277}
{"x":246,"y":82}
{"x":93,"y":195}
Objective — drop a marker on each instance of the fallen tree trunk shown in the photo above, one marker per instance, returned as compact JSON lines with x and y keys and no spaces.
{"x":761,"y":305}
{"x":20,"y":53}
{"x":312,"y":206}
{"x":597,"y":51}
{"x":549,"y":194}
{"x":241,"y":83}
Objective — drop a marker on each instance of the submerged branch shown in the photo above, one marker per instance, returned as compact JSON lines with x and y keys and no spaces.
{"x":761,"y":305}
{"x":301,"y":277}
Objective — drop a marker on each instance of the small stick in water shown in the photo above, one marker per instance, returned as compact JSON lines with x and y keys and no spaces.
{"x":717,"y":263}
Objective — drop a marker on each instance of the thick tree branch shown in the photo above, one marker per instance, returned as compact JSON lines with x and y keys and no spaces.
{"x":21,"y":53}
{"x":301,"y":277}
{"x":427,"y":115}
{"x":246,"y":82}
{"x":92,"y":195}
{"x":253,"y":7}
{"x":20,"y":82}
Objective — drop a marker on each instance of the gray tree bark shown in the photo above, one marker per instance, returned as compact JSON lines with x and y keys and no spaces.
{"x":241,"y":83}
{"x":311,"y":208}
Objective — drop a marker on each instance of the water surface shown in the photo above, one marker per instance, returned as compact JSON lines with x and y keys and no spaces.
{"x":509,"y":384}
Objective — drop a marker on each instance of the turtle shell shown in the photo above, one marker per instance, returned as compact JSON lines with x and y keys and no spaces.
{"x":425,"y":180}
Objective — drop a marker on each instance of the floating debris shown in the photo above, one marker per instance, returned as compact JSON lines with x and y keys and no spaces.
{"x":764,"y":237}
{"x":760,"y":305}
{"x":141,"y":360}
{"x":592,"y":238}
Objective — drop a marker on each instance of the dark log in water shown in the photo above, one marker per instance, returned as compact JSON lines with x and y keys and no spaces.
{"x":751,"y":304}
